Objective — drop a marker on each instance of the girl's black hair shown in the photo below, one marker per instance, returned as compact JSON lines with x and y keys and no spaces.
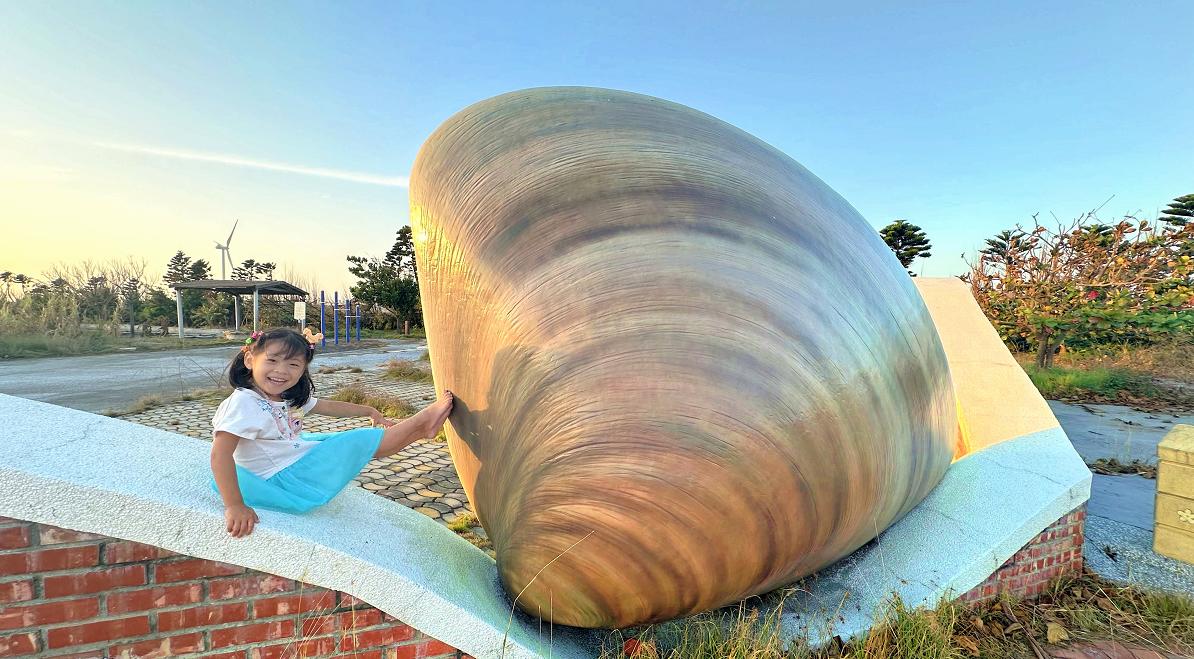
{"x":239,"y":375}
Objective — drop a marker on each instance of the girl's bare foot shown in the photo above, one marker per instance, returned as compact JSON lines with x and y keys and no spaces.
{"x":423,"y":425}
{"x":430,"y":419}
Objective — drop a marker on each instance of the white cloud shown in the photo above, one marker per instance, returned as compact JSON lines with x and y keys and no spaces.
{"x":238,"y":161}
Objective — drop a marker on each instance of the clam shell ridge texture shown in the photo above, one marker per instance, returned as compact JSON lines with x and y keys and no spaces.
{"x":687,"y":371}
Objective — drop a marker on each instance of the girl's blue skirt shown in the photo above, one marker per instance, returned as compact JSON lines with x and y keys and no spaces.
{"x":316,"y":477}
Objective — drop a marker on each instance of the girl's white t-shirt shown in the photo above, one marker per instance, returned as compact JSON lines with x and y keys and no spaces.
{"x":271,"y":430}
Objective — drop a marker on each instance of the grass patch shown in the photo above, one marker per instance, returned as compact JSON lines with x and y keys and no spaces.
{"x":149,"y":402}
{"x":1157,"y":377}
{"x":406,"y":371}
{"x":142,"y":404}
{"x":215,"y":395}
{"x":1112,"y":383}
{"x":388,"y":405}
{"x":742,"y":631}
{"x":18,"y":346}
{"x":15,"y":346}
{"x":464,"y":526}
{"x":463,"y":522}
{"x":145,"y":403}
{"x":415,"y":333}
{"x":324,"y":370}
{"x":1075,"y":609}
{"x":425,"y":357}
{"x":1170,"y":360}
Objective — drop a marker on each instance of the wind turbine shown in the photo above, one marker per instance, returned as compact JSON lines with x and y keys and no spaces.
{"x":224,"y":254}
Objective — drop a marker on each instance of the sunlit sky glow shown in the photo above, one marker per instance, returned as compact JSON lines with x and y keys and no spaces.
{"x":145,"y":128}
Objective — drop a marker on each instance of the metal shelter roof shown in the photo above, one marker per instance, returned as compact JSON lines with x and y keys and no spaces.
{"x":236,"y":287}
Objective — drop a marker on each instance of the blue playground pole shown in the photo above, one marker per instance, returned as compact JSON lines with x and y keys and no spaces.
{"x":336,"y":317}
{"x":347,"y":322}
{"x":358,"y":322}
{"x":324,"y":342}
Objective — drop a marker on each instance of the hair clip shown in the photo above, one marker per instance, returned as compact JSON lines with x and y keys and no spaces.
{"x":249,"y":341}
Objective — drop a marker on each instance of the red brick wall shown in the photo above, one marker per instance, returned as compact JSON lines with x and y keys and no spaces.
{"x":70,"y":594}
{"x":1055,"y":552}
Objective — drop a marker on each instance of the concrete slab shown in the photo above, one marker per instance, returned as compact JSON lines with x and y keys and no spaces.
{"x":100,"y":475}
{"x":1115,"y":431}
{"x":1127,"y":499}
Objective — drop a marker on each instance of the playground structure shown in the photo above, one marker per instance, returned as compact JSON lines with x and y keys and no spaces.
{"x":345,"y":317}
{"x":351,"y":311}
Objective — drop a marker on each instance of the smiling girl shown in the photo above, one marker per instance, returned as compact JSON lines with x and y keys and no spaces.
{"x":260,"y":456}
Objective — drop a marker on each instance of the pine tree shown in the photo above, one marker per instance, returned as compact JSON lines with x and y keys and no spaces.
{"x":392,"y":281}
{"x":401,"y":256}
{"x":1004,"y":245}
{"x":178,"y":269}
{"x":200,"y":269}
{"x":1180,"y":211}
{"x":908,"y":241}
{"x":246,"y":271}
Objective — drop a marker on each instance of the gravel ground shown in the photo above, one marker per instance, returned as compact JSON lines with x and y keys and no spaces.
{"x":1134,"y":561}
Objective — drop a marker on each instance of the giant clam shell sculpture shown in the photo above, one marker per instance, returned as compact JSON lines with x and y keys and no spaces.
{"x":687,"y":371}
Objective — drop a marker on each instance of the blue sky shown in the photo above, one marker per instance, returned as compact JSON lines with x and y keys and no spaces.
{"x":143,"y":128}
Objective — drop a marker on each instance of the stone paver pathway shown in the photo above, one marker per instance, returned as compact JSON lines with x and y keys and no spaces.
{"x":420,"y":477}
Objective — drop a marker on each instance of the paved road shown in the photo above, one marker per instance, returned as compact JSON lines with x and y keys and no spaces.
{"x":102,"y":382}
{"x":1115,"y":431}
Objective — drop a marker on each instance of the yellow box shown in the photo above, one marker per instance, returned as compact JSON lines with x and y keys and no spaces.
{"x":1174,"y":478}
{"x":1175,"y":512}
{"x":1173,"y":526}
{"x":1178,"y":445}
{"x":1174,"y":543}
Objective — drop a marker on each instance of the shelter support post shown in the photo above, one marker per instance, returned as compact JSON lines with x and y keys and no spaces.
{"x":178,"y":304}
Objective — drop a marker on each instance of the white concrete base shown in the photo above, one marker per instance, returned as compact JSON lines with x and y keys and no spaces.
{"x":99,"y":475}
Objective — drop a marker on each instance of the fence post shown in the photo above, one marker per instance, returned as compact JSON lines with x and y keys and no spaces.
{"x":336,"y":317}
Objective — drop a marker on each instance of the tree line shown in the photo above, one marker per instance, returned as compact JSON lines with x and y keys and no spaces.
{"x":1078,"y":283}
{"x":70,"y":299}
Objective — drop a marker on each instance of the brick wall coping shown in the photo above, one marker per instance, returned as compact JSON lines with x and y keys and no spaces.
{"x":94,"y":474}
{"x":989,"y":505}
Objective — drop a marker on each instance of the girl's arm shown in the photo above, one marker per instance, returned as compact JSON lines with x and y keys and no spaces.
{"x":240,"y":518}
{"x":341,"y":408}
